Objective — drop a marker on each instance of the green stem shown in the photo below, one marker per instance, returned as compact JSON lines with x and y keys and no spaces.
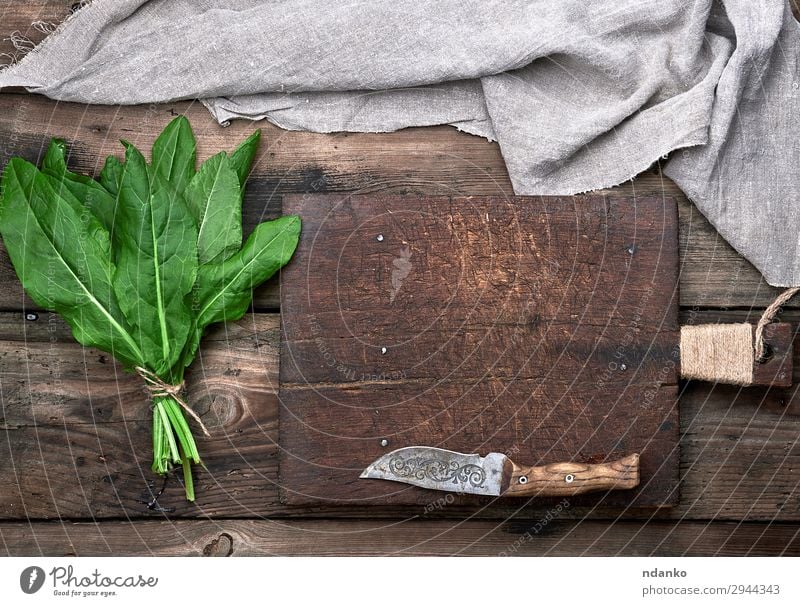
{"x":188,"y":482}
{"x":182,"y":431}
{"x":165,"y":421}
{"x":158,"y":443}
{"x":173,"y":441}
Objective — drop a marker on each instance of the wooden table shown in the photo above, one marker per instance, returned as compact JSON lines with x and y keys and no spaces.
{"x":74,"y":430}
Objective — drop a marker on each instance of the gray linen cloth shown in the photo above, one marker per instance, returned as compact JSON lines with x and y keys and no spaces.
{"x":579,"y":95}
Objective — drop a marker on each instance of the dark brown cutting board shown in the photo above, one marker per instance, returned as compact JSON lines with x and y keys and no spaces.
{"x":542,"y":327}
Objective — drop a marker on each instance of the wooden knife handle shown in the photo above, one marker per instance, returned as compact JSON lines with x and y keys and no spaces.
{"x":567,"y":479}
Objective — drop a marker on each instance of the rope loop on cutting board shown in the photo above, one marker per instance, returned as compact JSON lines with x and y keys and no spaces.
{"x":769,"y":315}
{"x":728,"y":353}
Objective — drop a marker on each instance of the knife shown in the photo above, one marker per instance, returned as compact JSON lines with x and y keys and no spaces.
{"x":497,"y":475}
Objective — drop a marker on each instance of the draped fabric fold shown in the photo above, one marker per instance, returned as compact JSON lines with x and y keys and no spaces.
{"x":578,"y":95}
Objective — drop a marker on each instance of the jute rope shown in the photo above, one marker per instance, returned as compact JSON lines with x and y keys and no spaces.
{"x":160,"y":389}
{"x":720,"y":353}
{"x":727,"y":353}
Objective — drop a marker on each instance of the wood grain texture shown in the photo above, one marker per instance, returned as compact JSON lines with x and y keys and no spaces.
{"x":739,"y":455}
{"x":544,"y":328}
{"x":570,"y":479}
{"x":430,"y":161}
{"x":546,"y":536}
{"x":776,"y":369}
{"x":65,"y":453}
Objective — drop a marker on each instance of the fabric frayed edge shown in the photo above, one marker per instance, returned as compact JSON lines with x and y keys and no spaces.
{"x":224,"y":117}
{"x":22,"y":46}
{"x":660,"y":157}
{"x":462,"y":128}
{"x":25,"y":47}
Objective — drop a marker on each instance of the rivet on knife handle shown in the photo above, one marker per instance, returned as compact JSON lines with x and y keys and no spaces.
{"x":496,"y":475}
{"x":568,"y":479}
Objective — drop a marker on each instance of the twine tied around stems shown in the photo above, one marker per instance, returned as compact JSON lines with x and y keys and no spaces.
{"x":160,"y":389}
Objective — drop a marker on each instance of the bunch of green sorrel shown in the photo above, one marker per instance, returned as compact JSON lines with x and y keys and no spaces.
{"x":142,"y":260}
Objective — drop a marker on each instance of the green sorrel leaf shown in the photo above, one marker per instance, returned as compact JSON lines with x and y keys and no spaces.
{"x":62,"y":255}
{"x":92,"y":194}
{"x":111,"y":175}
{"x":174,"y":153}
{"x":214,"y":200}
{"x":155,"y":245}
{"x":224,"y":290}
{"x":242,"y":157}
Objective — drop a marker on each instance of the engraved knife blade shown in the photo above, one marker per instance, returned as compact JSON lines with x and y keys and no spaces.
{"x":496,"y":475}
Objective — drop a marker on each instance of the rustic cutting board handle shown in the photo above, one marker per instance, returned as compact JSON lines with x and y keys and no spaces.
{"x":568,"y":479}
{"x":726,"y":353}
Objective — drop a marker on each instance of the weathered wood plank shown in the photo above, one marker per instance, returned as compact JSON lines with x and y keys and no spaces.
{"x":431,"y":161}
{"x":77,"y":428}
{"x":64,"y":451}
{"x":409,"y":537}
